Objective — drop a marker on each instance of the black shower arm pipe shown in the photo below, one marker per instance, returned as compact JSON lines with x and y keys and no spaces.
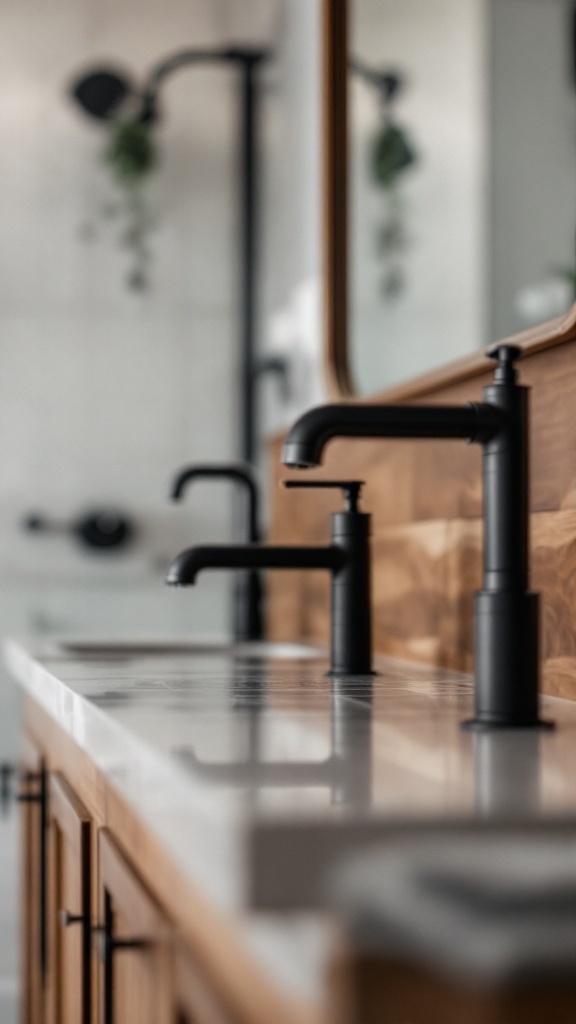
{"x":184,"y":58}
{"x":248,"y":59}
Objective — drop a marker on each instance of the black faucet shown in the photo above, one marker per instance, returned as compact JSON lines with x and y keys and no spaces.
{"x":347,"y":558}
{"x":248,"y":599}
{"x":506,"y":615}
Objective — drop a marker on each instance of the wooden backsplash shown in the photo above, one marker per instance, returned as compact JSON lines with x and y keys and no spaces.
{"x":425,"y":498}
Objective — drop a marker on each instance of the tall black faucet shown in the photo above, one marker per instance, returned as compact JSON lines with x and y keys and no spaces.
{"x":248,"y":589}
{"x":347,"y":558}
{"x":506,"y":617}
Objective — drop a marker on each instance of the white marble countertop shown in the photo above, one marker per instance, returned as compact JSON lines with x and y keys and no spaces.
{"x":277,"y":772}
{"x":259,"y":775}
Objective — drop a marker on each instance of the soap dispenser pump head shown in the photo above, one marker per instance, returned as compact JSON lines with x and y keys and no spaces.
{"x":350,"y":489}
{"x":505,"y":356}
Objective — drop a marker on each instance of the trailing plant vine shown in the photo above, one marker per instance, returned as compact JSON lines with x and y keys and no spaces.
{"x":131,"y":156}
{"x":392,"y":155}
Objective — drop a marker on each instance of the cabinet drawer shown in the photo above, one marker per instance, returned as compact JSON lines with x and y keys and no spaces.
{"x":68,"y":932}
{"x":135,"y":945}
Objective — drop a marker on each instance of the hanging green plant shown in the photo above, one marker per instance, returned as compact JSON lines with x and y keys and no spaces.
{"x":131,"y":156}
{"x":130,"y":153}
{"x":392,"y":155}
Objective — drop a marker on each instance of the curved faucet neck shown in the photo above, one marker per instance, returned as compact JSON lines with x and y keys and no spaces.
{"x":239,"y":474}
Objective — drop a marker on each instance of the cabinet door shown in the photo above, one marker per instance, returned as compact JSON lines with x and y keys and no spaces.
{"x":194,"y":1000}
{"x":135,"y":969}
{"x":33,"y":797}
{"x":68,"y":905}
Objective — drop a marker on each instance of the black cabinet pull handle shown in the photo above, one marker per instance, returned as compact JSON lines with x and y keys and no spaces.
{"x":106,"y":942}
{"x":8,"y":775}
{"x":108,"y":945}
{"x":7,"y":770}
{"x":66,"y":918}
{"x":119,"y":944}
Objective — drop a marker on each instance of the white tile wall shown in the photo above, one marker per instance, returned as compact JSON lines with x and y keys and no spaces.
{"x":104,"y":392}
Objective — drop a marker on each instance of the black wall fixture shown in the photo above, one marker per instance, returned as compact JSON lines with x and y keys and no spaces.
{"x":101,"y":93}
{"x":102,"y":529}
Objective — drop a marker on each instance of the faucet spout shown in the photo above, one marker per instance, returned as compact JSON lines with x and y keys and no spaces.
{"x":185,"y":568}
{"x":310,"y":434}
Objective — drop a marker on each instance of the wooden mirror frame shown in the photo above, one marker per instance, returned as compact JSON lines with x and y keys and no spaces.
{"x":335,"y":298}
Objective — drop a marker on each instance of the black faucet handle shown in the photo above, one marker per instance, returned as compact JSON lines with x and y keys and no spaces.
{"x":350,"y":489}
{"x":505,"y":356}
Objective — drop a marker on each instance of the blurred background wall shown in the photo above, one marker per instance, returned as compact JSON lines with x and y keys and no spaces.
{"x":105,"y":391}
{"x":533,"y":159}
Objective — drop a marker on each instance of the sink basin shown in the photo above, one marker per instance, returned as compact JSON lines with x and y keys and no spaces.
{"x":159,"y":648}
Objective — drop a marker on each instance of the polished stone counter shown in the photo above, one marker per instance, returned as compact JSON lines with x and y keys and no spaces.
{"x":258,"y":773}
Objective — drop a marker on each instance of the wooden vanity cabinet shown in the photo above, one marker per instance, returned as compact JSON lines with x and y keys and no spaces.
{"x":142,"y":972}
{"x":105,"y":933}
{"x":68,"y":990}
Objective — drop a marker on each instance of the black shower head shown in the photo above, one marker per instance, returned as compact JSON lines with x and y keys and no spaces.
{"x":100,"y":93}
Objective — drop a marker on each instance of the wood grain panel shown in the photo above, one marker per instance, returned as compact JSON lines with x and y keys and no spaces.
{"x":69,"y":948}
{"x":136,"y":985}
{"x":334,"y":64}
{"x":427,"y":573}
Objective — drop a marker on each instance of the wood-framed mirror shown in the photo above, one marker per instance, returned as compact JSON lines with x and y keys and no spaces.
{"x":449,"y":199}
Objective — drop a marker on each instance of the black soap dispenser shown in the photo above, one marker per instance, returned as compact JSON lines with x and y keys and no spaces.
{"x":351,"y":603}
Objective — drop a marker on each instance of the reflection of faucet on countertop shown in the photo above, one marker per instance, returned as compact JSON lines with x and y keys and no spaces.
{"x":347,"y":771}
{"x":507,"y":770}
{"x":506,"y":615}
{"x":347,"y":558}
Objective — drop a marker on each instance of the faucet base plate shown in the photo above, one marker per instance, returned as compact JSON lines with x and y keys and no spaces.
{"x":335,"y":674}
{"x":483,"y":725}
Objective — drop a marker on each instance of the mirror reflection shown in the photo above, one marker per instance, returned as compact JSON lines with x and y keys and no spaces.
{"x":463,"y":173}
